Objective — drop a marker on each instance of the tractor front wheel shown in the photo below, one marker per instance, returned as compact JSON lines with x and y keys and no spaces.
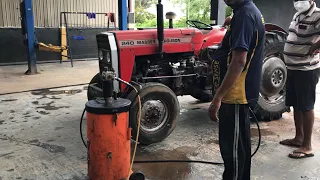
{"x":94,"y":88}
{"x":160,"y":112}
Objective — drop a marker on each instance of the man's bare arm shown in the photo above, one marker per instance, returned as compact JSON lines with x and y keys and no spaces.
{"x":235,"y":68}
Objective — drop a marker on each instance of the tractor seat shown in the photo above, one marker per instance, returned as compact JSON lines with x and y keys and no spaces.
{"x":206,"y":31}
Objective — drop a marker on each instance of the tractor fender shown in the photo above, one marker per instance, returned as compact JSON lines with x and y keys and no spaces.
{"x":273,"y":27}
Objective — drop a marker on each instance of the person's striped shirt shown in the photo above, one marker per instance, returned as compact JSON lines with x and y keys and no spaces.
{"x":304,"y":31}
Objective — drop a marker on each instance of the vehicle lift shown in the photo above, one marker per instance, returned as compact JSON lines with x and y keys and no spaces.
{"x":27,"y":26}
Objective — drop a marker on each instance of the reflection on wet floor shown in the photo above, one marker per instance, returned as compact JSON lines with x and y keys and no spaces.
{"x":165,"y":171}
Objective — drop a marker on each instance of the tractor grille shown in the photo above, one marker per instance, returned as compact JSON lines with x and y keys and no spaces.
{"x":104,"y":53}
{"x":108,"y":54}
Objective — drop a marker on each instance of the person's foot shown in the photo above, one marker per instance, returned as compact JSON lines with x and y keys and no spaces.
{"x":291,"y":142}
{"x":302,"y":152}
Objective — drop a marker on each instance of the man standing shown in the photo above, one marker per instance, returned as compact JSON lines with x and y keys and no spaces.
{"x":237,"y":69}
{"x":303,"y":73}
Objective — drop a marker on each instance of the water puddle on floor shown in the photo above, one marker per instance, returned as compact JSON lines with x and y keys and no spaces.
{"x":49,"y":106}
{"x":50,"y":147}
{"x":167,"y":171}
{"x":264,"y":132}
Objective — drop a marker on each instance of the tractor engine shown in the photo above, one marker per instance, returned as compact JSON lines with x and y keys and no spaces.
{"x":179,"y":72}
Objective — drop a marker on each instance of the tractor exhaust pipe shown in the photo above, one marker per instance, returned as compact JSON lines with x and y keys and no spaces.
{"x":160,"y":27}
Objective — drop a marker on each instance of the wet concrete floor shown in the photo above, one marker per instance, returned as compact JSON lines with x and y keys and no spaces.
{"x":39,"y":139}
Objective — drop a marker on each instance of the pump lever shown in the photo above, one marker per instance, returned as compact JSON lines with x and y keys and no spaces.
{"x":107,"y":78}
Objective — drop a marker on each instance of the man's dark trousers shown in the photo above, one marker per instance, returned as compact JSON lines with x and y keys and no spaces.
{"x":235,"y":141}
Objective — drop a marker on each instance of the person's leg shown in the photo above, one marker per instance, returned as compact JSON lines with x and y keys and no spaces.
{"x":298,"y":122}
{"x":228,"y":133}
{"x":244,"y":148}
{"x":306,"y":106}
{"x":292,"y":100}
{"x":308,"y":117}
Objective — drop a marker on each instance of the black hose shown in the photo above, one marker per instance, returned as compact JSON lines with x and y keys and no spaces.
{"x":84,"y":143}
{"x":178,"y":161}
{"x":259,"y":132}
{"x":183,"y":161}
{"x":204,"y":162}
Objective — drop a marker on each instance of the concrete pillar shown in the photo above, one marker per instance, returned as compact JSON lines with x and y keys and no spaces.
{"x":218,"y":12}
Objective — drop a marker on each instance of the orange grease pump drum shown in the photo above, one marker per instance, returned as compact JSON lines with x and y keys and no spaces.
{"x":109,"y":138}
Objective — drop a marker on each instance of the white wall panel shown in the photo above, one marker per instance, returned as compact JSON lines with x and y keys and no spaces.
{"x":47,"y":12}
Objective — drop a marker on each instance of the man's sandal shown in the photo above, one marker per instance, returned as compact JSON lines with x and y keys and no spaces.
{"x":300,"y":155}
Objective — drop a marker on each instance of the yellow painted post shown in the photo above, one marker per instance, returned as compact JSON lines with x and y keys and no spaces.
{"x":64,"y":53}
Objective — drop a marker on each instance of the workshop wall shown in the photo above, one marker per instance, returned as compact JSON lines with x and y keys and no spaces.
{"x":47,"y":19}
{"x":47,"y":12}
{"x":278,"y":12}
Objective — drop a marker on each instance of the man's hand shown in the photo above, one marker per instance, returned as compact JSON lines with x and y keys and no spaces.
{"x":314,"y":50}
{"x":214,"y":109}
{"x":227,"y":21}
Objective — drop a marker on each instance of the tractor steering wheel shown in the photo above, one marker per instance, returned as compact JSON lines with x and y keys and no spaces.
{"x":199,"y":25}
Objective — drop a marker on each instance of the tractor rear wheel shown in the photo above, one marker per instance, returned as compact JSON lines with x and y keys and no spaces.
{"x":160,"y":112}
{"x":271,"y":103}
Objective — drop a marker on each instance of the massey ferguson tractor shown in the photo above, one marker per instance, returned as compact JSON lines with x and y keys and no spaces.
{"x":166,"y":63}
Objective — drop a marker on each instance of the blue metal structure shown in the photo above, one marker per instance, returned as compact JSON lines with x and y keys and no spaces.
{"x":28,"y":22}
{"x":123,"y":14}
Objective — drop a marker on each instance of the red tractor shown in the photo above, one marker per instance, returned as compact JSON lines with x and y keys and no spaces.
{"x":166,"y":63}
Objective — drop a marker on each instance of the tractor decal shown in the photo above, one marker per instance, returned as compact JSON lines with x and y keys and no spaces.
{"x":145,"y":42}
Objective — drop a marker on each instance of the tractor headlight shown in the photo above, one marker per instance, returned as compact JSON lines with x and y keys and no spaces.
{"x":104,"y":55}
{"x":100,"y":55}
{"x":108,"y":56}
